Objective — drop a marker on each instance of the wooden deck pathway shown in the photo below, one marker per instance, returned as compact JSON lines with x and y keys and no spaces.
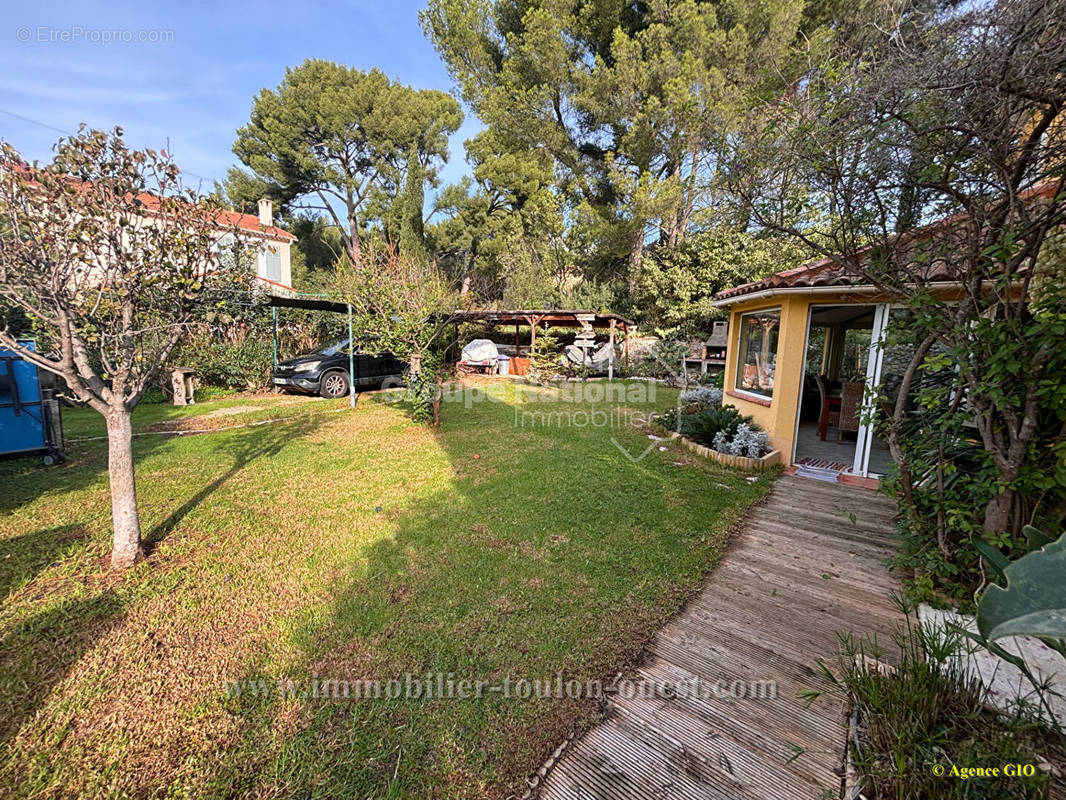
{"x":806,"y":564}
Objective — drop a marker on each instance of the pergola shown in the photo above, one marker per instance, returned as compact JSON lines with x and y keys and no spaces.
{"x":557,"y":317}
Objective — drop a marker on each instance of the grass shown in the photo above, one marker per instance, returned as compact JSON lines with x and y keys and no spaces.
{"x":339,"y":545}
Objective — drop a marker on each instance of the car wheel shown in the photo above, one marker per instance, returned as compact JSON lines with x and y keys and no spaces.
{"x":333,"y":384}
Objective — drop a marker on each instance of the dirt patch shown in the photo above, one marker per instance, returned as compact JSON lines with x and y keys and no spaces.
{"x":229,"y":412}
{"x":204,"y":422}
{"x":213,"y":420}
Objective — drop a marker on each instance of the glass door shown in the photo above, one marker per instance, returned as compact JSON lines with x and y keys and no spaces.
{"x":867,"y":440}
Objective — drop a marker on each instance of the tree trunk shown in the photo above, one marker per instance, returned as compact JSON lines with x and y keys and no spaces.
{"x":124,"y":518}
{"x":895,"y":446}
{"x":468,"y":274}
{"x":354,"y":250}
{"x":998,"y":512}
{"x":435,"y":405}
{"x":636,"y":257}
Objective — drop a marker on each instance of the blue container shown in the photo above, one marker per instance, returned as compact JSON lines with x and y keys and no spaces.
{"x":29,"y":417}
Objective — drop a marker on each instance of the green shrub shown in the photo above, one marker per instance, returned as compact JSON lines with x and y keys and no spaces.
{"x":676,"y":286}
{"x":958,"y":487}
{"x":243,"y":365}
{"x":424,"y":387}
{"x":923,"y":717}
{"x":703,"y":425}
{"x":205,"y":393}
{"x":546,"y":362}
{"x":716,"y":379}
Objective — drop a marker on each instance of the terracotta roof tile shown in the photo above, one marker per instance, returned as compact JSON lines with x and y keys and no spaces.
{"x":227,"y":219}
{"x":827,"y":272}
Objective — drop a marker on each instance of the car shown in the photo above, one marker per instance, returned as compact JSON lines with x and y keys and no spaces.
{"x":325,"y":372}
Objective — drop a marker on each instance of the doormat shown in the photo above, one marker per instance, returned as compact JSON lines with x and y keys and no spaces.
{"x":821,"y":463}
{"x":818,"y":474}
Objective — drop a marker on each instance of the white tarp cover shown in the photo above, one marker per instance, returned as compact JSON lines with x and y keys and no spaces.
{"x":596,"y":361}
{"x":480,"y":351}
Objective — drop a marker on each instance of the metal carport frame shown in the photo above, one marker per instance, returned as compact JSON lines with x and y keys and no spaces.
{"x":317,"y":304}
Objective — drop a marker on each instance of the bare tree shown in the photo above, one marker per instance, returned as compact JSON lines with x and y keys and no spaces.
{"x":111,"y":260}
{"x":402,"y":304}
{"x":951,"y":121}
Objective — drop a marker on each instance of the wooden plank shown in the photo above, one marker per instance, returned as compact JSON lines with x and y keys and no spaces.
{"x":776,"y":575}
{"x":814,"y":563}
{"x":833,"y":498}
{"x":765,"y":613}
{"x":788,"y":715}
{"x":825,"y":610}
{"x":672,"y":729}
{"x":630,"y":770}
{"x":882,"y":545}
{"x":747,"y":723}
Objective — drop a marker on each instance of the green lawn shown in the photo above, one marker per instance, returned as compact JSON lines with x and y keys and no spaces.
{"x":339,"y":545}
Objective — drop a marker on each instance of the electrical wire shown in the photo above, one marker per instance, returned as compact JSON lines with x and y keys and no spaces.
{"x":54,"y":129}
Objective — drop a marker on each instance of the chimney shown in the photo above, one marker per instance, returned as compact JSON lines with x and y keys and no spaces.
{"x":266,"y":211}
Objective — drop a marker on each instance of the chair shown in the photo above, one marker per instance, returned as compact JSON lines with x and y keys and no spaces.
{"x":751,"y":376}
{"x":830,"y":414}
{"x":850,"y":405}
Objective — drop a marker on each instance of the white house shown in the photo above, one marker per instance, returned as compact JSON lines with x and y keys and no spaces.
{"x":273,"y":245}
{"x":273,"y":266}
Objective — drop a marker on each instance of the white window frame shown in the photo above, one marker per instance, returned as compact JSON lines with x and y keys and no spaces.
{"x":747,"y":393}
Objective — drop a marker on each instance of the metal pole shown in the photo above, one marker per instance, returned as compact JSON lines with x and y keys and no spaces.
{"x":610,"y":356}
{"x":351,"y":360}
{"x":274,"y":314}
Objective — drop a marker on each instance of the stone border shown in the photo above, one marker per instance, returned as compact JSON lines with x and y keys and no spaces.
{"x":541,"y":774}
{"x":771,"y":459}
{"x":853,"y":785}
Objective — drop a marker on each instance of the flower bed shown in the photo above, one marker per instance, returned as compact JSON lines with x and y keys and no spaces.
{"x":771,"y":459}
{"x":734,"y":438}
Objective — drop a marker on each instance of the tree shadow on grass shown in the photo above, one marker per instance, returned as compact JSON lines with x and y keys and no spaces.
{"x":53,"y":628}
{"x":243,"y":447}
{"x":26,"y":479}
{"x":549,"y":552}
{"x":39,"y":652}
{"x":22,"y":557}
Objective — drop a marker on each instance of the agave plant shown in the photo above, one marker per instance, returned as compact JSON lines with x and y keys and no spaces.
{"x":1032,"y":603}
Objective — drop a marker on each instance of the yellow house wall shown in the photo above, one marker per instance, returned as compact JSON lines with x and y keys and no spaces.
{"x":779,"y":417}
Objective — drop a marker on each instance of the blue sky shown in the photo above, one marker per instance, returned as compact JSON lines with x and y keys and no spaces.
{"x":196,"y":86}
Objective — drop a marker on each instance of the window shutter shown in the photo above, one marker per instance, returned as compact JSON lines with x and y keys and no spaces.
{"x":273,"y":262}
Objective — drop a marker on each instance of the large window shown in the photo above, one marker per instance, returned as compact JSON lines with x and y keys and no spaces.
{"x":757,"y":354}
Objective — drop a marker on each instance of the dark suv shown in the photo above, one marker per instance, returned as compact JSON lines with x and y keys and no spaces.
{"x":326,"y":371}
